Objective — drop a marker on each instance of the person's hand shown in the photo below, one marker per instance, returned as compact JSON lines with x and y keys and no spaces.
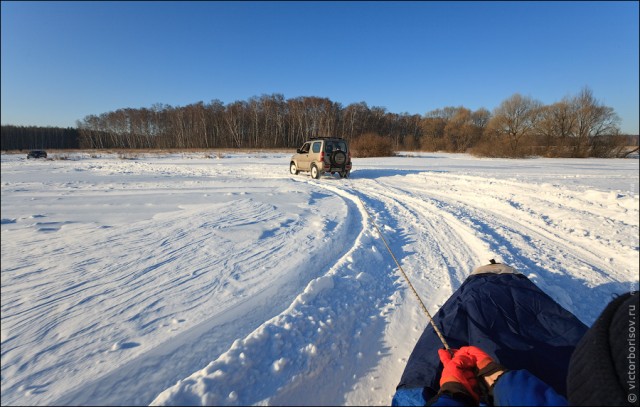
{"x":488,"y":369}
{"x":459,"y":375}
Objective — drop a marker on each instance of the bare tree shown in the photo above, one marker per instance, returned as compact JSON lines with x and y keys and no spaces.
{"x":355,"y":120}
{"x":555,"y":128}
{"x":433,"y":133}
{"x":592,"y":120}
{"x":515,"y":119}
{"x":460,"y":131}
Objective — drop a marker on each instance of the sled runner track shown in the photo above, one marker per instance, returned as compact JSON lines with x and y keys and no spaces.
{"x":437,"y":252}
{"x":404,"y":274}
{"x":433,"y":235}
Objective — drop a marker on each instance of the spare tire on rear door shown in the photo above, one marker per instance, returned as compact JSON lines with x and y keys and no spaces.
{"x":338,"y":158}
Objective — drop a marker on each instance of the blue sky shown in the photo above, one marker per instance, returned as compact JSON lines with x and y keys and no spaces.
{"x":62,"y":61}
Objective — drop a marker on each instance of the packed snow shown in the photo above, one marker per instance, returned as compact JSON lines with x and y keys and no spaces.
{"x":222,"y":279}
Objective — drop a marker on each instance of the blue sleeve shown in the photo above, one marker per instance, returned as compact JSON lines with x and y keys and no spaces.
{"x":521,"y":388}
{"x":446,"y":400}
{"x":415,"y":397}
{"x":408,"y":397}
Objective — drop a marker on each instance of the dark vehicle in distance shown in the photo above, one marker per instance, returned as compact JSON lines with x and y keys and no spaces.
{"x":37,"y":154}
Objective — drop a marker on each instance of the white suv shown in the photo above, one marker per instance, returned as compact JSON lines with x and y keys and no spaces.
{"x":321,"y":155}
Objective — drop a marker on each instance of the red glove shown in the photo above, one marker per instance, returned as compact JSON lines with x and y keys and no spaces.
{"x":458,"y":375}
{"x":482,"y":359}
{"x":488,"y":369}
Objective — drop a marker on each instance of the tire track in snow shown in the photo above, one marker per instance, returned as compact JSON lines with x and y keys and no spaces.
{"x":355,"y":295}
{"x":438,"y":243}
{"x":548,"y":208}
{"x":519,"y":235}
{"x":367,"y":282}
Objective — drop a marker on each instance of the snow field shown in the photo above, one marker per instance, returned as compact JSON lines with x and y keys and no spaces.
{"x":179,"y":279}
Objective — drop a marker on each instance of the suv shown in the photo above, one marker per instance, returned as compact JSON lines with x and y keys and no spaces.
{"x":320,"y":155}
{"x":37,"y":154}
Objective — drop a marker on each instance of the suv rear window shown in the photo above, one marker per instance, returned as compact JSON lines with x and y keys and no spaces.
{"x":332,"y":146}
{"x":316,"y":147}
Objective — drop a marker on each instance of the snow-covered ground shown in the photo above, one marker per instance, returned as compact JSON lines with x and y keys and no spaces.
{"x":190,"y":279}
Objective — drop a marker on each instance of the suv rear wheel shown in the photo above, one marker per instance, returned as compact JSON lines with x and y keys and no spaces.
{"x":315,"y":174}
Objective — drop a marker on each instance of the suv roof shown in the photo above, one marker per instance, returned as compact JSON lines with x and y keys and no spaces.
{"x":325,"y":138}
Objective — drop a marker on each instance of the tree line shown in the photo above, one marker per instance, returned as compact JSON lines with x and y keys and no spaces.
{"x":268,"y":121}
{"x":38,"y":138}
{"x":576,"y":126}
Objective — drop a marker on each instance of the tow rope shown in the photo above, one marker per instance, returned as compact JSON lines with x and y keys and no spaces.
{"x":424,"y":308}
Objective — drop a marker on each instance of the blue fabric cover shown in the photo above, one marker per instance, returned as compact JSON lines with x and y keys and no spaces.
{"x":508,"y":317}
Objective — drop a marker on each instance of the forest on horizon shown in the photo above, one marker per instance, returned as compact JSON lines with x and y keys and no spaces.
{"x":577,"y":126}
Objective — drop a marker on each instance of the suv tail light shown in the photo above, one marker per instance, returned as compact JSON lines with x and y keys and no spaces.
{"x":322,"y":156}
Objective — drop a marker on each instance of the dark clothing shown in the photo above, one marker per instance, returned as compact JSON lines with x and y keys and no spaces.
{"x":604,"y":367}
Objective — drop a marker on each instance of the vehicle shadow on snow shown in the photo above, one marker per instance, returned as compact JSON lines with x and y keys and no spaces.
{"x":385,"y":172}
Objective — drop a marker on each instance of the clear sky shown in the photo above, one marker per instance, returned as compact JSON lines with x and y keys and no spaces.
{"x":62,"y":61}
